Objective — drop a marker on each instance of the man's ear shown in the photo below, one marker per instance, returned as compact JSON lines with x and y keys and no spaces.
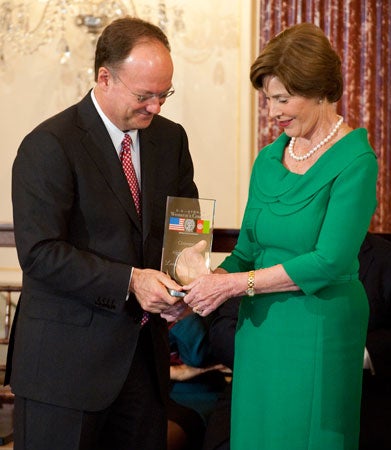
{"x":103,"y":78}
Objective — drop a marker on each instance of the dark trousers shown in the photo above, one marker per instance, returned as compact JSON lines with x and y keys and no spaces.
{"x":218,"y":429}
{"x":136,"y":420}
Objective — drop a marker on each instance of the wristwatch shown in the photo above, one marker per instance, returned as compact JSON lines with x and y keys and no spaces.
{"x":250,"y":291}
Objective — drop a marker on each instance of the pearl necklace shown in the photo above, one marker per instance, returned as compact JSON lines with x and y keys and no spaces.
{"x":317,"y":147}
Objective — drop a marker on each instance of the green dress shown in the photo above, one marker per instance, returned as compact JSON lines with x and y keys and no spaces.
{"x":299,"y":355}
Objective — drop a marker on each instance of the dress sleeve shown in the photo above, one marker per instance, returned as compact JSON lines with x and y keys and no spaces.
{"x":351,"y":205}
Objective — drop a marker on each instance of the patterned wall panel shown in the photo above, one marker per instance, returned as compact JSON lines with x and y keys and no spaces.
{"x":360,"y":30}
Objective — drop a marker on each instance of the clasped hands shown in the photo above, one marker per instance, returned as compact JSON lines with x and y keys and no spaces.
{"x":204,"y":292}
{"x":201,"y":297}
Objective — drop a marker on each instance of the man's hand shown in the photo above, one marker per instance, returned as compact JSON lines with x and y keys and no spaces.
{"x":176,"y":312}
{"x":183,"y":372}
{"x":150,"y":288}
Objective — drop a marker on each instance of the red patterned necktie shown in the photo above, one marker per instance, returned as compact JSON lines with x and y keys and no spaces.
{"x":131,"y":177}
{"x":130,"y":173}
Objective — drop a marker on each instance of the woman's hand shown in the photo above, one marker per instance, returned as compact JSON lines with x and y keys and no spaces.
{"x":208,"y":292}
{"x":190,"y":263}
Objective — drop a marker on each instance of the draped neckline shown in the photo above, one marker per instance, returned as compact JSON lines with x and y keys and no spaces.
{"x":272,"y":181}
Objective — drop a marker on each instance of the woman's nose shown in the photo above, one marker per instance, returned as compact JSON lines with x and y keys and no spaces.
{"x":274,"y":110}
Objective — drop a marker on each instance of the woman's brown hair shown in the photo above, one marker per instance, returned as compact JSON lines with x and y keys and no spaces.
{"x":303,"y":59}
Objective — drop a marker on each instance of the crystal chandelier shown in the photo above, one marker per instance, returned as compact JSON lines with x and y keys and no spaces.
{"x":67,"y":30}
{"x":26,"y":26}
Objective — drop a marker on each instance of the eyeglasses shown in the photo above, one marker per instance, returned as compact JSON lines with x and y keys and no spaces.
{"x":144,"y":98}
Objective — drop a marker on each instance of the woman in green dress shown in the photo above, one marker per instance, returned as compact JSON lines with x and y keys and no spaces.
{"x":302,"y":322}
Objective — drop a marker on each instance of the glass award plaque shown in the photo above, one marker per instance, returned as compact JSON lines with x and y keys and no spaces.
{"x":188,"y":234}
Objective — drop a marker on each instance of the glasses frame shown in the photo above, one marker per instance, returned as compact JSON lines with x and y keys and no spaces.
{"x":144,"y":98}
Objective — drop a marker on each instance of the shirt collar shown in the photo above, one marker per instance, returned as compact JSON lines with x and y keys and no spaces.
{"x":115,"y":133}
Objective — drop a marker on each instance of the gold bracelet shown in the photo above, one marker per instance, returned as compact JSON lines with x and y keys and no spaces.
{"x":250,"y":291}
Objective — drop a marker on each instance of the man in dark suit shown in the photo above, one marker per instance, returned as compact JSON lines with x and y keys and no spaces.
{"x":222,"y":342}
{"x":85,"y":372}
{"x":375,"y":274}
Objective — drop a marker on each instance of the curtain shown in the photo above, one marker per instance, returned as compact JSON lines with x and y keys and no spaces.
{"x":360,"y":31}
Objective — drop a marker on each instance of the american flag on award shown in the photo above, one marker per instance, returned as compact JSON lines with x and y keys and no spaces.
{"x":176,"y":224}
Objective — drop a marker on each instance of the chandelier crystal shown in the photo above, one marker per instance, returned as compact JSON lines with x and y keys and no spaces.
{"x":26,"y":26}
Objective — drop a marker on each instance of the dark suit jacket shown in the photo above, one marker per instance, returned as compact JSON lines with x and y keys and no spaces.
{"x":222,"y":341}
{"x":77,"y":235}
{"x":375,"y":274}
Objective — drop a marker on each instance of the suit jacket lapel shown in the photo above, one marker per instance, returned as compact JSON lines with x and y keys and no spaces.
{"x":149,"y":162}
{"x":98,"y":144}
